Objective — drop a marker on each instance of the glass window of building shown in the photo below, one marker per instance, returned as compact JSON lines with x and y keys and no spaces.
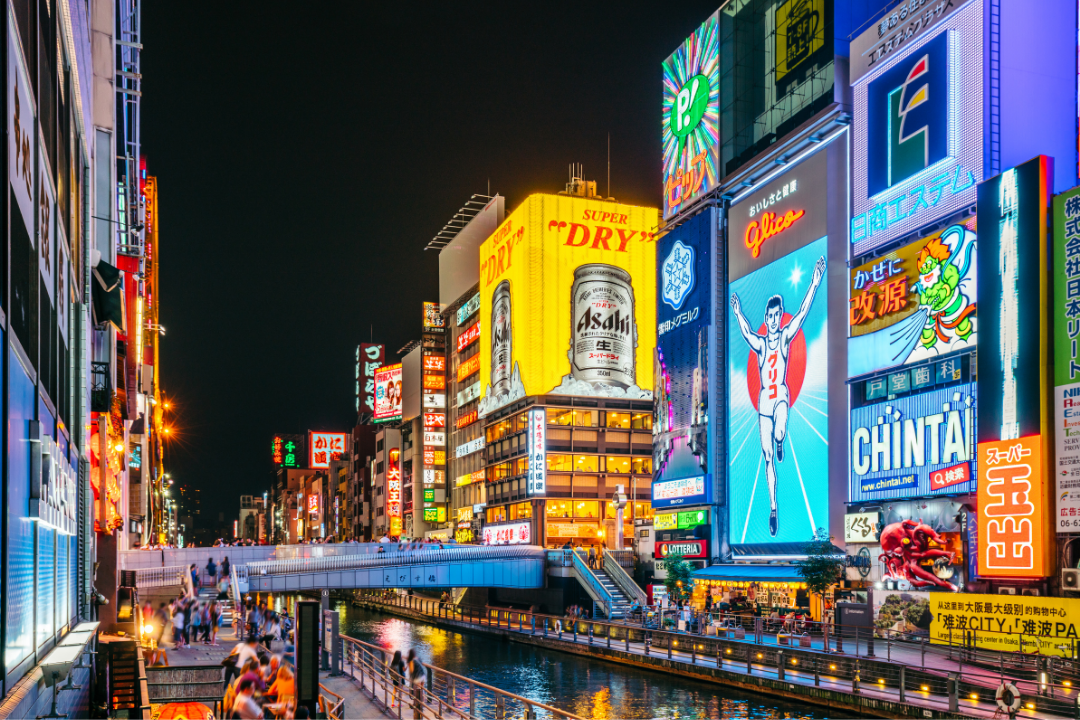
{"x":643,"y":510}
{"x":560,"y":462}
{"x":641,"y":421}
{"x":586,"y":509}
{"x":586,"y":463}
{"x":618,"y":464}
{"x":558,"y":416}
{"x":521,"y":511}
{"x":585,"y":418}
{"x":559,"y":509}
{"x":642,"y":465}
{"x":619,"y":420}
{"x":497,"y":514}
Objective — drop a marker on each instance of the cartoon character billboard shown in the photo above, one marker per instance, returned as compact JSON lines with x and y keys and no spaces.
{"x":778,"y":474}
{"x":914,"y":303}
{"x":568,"y":301}
{"x":681,"y":375}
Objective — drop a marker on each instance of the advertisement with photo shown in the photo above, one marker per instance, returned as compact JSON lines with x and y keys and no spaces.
{"x":388,"y":393}
{"x":681,"y":373}
{"x":778,"y":400}
{"x":916,"y":445}
{"x":915,"y":303}
{"x":568,"y":301}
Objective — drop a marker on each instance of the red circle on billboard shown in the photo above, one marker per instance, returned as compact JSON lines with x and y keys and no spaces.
{"x":796,"y":365}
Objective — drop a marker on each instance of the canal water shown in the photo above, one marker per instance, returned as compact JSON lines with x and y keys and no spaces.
{"x":589,"y":688}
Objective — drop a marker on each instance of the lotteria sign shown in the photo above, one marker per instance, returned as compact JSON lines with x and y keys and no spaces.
{"x":690,"y":549}
{"x":684,"y":491}
{"x":917,"y":445}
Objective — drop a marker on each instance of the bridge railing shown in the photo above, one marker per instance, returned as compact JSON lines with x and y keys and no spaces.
{"x":906,"y":669}
{"x":424,"y":554}
{"x":614,"y":568}
{"x":160,"y":577}
{"x":592,"y":584}
{"x":443,"y":695}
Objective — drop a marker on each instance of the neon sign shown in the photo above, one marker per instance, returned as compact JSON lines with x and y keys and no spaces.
{"x":326,"y":447}
{"x":469,"y":336}
{"x":393,"y":487}
{"x":770,"y":226}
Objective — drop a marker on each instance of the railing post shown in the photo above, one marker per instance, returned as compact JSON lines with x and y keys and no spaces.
{"x":609,"y":637}
{"x":922,"y":648}
{"x":669,"y":647}
{"x":590,"y":632}
{"x":500,"y":707}
{"x":817,"y":671}
{"x":574,"y":623}
{"x":903,"y":679}
{"x":693,"y":652}
{"x":472,"y":700}
{"x":779,"y":664}
{"x":954,"y":698}
{"x":749,"y":661}
{"x":855,"y":678}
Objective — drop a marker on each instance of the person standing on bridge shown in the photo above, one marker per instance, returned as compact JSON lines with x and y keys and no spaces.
{"x":592,"y":557}
{"x":211,"y":570}
{"x":225,"y":569}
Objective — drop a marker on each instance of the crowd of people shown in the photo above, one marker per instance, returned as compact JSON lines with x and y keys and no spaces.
{"x":260,"y":684}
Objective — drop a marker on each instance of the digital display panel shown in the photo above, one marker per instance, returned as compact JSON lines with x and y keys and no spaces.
{"x":682,"y":491}
{"x":691,"y":118}
{"x":777,"y":428}
{"x":913,"y":446}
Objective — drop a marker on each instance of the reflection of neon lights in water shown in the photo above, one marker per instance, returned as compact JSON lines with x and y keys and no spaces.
{"x":1009,"y":264}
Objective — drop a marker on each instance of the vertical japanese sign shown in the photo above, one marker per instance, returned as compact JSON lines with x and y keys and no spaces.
{"x":1066,"y":281}
{"x":369,"y":358}
{"x":537,"y":445}
{"x":1012,"y":505}
{"x":393,"y":490}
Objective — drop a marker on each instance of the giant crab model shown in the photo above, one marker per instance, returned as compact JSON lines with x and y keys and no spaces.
{"x":905,"y":544}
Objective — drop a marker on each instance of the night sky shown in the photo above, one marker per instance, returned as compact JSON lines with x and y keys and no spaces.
{"x":306,"y":154}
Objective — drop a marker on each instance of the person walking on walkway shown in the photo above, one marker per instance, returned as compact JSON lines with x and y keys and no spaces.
{"x":592,"y":557}
{"x":397,"y":674}
{"x":416,"y":680}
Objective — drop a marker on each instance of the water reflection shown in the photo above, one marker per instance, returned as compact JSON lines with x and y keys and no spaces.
{"x":585,"y":687}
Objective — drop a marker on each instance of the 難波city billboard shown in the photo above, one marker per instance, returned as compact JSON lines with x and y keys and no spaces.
{"x":568,"y":304}
{"x":918,"y":129}
{"x":913,"y":446}
{"x":691,"y":118}
{"x":388,"y":393}
{"x":681,"y":376}
{"x":914,"y":303}
{"x":778,"y":390}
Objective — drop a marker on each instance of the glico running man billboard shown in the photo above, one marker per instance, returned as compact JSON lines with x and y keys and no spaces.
{"x":681,"y":374}
{"x":691,"y":118}
{"x":778,"y":475}
{"x":568,"y":301}
{"x":914,"y":446}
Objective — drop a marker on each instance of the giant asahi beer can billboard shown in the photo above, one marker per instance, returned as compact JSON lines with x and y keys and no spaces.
{"x":568,"y":302}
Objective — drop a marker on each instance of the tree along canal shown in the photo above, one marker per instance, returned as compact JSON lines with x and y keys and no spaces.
{"x":585,"y":687}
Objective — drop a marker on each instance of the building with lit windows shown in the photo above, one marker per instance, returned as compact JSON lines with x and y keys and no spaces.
{"x":593,"y":448}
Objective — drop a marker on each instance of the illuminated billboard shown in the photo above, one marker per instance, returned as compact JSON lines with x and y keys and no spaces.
{"x":918,"y":127}
{"x":691,"y":118}
{"x":388,"y":393}
{"x":369,"y":358}
{"x":778,"y":487}
{"x":287,"y":451}
{"x":688,"y":491}
{"x":324,"y":447}
{"x":914,"y":446}
{"x":568,"y":305}
{"x":393,"y":490}
{"x":681,"y":373}
{"x":433,"y":320}
{"x":1066,"y":312}
{"x":1013,"y":505}
{"x":915,"y":303}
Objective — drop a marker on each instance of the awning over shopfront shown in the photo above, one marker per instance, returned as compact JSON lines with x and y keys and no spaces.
{"x":107,"y":296}
{"x":750,"y":573}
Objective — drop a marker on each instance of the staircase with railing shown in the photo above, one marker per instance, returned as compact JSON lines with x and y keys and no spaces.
{"x":605,"y":592}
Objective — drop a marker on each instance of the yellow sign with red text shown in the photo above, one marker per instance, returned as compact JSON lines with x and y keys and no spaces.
{"x":568,"y":301}
{"x":1013,"y":505}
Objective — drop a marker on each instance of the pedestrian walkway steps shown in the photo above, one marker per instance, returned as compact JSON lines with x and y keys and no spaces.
{"x":620,"y":604}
